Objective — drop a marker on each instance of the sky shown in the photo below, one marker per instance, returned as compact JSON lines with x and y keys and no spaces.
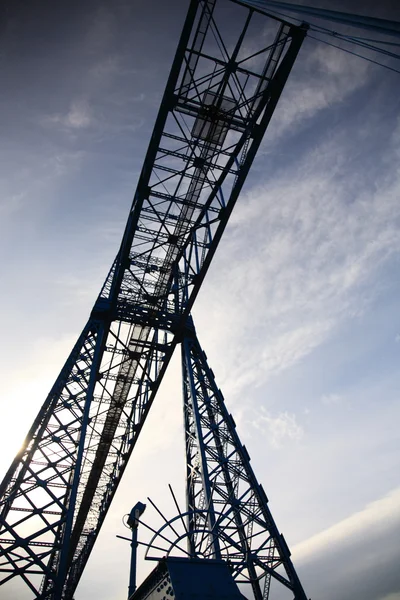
{"x":298,"y":314}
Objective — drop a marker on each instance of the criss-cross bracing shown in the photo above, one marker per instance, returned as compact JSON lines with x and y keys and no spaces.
{"x":228,"y":514}
{"x":217,"y":104}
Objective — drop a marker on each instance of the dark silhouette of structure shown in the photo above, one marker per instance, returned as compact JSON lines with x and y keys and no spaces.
{"x":218,"y":102}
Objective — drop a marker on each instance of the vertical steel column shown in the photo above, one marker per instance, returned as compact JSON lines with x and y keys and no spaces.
{"x":219,"y":470}
{"x":191,"y":406}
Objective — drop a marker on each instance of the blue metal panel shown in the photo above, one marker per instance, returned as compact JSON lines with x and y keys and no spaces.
{"x":187,"y":579}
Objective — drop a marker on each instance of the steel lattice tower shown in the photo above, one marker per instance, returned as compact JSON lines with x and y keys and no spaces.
{"x":217,"y":104}
{"x":224,"y":496}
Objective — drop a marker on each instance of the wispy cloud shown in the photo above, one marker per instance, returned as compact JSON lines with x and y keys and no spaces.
{"x":79,"y":116}
{"x":105,"y":69}
{"x":278,"y":429}
{"x":329,"y":399}
{"x":327,"y":76}
{"x":11,"y":203}
{"x":297,"y":258}
{"x":36,"y":183}
{"x":102,"y":29}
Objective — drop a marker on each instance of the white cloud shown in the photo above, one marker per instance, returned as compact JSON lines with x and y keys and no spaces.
{"x":299,"y":255}
{"x":331,"y":76}
{"x":101,"y":32}
{"x":11,"y":203}
{"x":278,"y":429}
{"x":329,"y":399}
{"x":79,"y":116}
{"x":106,"y":68}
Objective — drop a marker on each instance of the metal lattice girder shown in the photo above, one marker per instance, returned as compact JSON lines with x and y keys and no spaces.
{"x":216,"y":107}
{"x":228,"y":509}
{"x":38,"y":489}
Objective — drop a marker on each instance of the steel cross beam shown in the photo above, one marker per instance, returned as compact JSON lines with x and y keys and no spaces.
{"x":216,"y":107}
{"x":228,"y":513}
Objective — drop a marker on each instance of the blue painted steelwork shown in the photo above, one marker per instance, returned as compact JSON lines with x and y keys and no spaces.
{"x":185,"y":579}
{"x":216,"y":107}
{"x":226,"y":506}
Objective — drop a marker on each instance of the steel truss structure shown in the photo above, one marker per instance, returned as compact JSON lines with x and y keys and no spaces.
{"x":218,"y":102}
{"x":228,"y":514}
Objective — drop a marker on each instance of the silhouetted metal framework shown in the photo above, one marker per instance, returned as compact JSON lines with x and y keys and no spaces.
{"x":218,"y":101}
{"x":228,"y":513}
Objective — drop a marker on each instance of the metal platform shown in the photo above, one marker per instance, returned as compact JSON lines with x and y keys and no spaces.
{"x":189,"y":579}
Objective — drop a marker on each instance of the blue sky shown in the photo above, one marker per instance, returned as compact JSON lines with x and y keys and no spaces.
{"x":298,"y":315}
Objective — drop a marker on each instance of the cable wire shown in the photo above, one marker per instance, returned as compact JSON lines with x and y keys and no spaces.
{"x":355,"y":54}
{"x":356,"y":40}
